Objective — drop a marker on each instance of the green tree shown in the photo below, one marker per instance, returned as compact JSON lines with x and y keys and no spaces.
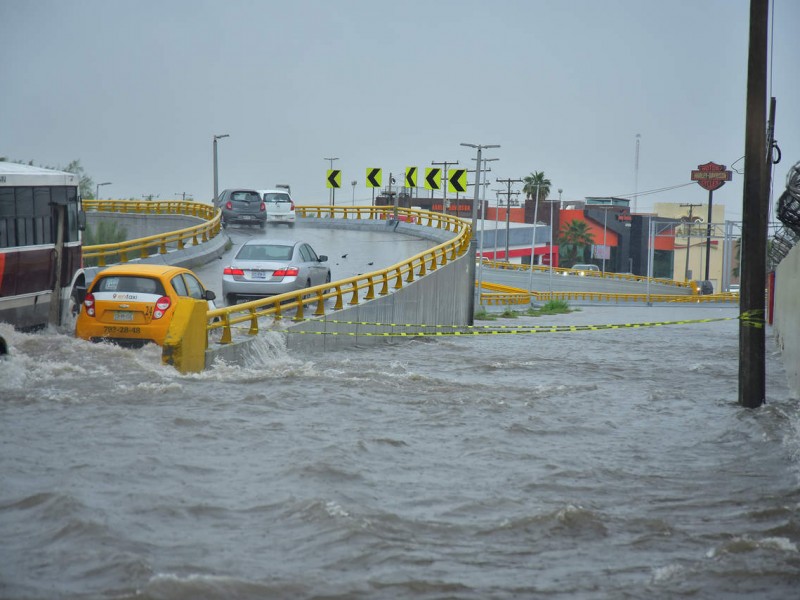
{"x":86,"y":184}
{"x":573,"y":241}
{"x":536,"y":186}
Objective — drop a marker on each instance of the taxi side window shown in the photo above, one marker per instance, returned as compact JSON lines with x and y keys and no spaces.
{"x":179,"y":286}
{"x":195,"y":289}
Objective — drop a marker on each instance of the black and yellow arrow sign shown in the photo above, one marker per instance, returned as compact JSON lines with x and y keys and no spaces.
{"x":334,"y":178}
{"x":457,"y":180}
{"x":411,"y":177}
{"x":432,"y":178}
{"x":374,"y":177}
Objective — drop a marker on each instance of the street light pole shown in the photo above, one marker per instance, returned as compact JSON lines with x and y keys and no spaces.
{"x":483,"y":225}
{"x":533,"y":236}
{"x":216,"y":187}
{"x":97,"y":189}
{"x":551,"y":237}
{"x":474,"y":238}
{"x":353,"y":183}
{"x":496,"y":220}
{"x":605,"y":244}
{"x":332,"y":198}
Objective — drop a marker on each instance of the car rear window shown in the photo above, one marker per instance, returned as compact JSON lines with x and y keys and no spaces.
{"x":265,"y":252}
{"x":245,"y":197}
{"x":129,"y":283}
{"x":273,"y":197}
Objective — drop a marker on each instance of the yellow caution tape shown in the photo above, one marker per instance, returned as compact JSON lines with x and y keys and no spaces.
{"x":494,"y":330}
{"x":753,"y":318}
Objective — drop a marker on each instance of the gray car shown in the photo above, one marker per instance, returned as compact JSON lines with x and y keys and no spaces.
{"x":242,"y":206}
{"x":268,"y":267}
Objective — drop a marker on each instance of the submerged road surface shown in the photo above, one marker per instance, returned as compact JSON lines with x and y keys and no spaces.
{"x":590,"y":465}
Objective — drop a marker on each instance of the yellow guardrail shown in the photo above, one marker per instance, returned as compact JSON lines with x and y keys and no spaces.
{"x":122,"y":252}
{"x":507,"y":295}
{"x":349,"y":291}
{"x":504,"y":294}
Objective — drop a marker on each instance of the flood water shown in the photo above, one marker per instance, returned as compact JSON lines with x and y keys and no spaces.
{"x":592,"y":464}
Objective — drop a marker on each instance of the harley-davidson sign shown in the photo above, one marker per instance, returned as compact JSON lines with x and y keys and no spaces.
{"x":711,"y":176}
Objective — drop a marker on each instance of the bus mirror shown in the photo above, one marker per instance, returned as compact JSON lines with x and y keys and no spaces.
{"x":82,"y":220}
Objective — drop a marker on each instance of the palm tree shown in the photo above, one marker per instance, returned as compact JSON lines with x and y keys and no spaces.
{"x":536,"y":186}
{"x":573,"y":239}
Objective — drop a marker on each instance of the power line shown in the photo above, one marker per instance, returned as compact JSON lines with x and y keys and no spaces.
{"x":655,"y":191}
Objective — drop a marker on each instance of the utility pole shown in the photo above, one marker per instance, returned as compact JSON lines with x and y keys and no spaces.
{"x":755,"y":208}
{"x":507,"y":194}
{"x":444,"y":182}
{"x":473,"y":244}
{"x":689,"y":237}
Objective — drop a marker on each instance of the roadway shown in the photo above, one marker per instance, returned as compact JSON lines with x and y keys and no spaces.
{"x":542,"y":282}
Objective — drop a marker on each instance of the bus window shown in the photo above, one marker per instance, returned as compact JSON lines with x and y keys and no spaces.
{"x":42,"y":216}
{"x":73,"y":221}
{"x":24,"y":204}
{"x":8,"y":237}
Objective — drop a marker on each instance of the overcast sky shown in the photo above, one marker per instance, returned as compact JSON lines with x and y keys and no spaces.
{"x":137,"y":89}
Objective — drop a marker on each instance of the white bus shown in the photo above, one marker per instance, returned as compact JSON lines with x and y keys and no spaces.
{"x":40,"y":245}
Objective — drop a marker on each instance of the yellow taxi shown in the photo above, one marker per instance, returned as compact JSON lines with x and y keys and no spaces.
{"x":133,"y":304}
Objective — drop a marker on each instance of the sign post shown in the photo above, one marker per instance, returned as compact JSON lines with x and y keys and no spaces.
{"x":374,"y":177}
{"x":710,"y":176}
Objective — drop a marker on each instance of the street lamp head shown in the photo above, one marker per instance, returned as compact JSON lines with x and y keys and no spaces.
{"x":219,"y":137}
{"x":105,"y":183}
{"x":480,"y":145}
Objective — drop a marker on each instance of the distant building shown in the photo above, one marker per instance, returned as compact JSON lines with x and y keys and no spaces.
{"x":622,"y":239}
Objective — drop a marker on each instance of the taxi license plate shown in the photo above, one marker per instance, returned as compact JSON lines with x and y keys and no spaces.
{"x":123,"y":315}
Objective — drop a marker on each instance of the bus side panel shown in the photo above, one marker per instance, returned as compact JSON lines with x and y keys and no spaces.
{"x":35,"y":271}
{"x":8,"y":274}
{"x":23,"y":309}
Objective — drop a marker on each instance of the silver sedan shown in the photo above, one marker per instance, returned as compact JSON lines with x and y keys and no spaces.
{"x":269,"y":267}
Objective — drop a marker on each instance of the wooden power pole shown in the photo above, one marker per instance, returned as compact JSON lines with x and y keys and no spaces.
{"x":755,"y":210}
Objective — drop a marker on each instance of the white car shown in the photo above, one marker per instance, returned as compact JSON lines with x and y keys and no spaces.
{"x":280,"y":208}
{"x":582,"y":269}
